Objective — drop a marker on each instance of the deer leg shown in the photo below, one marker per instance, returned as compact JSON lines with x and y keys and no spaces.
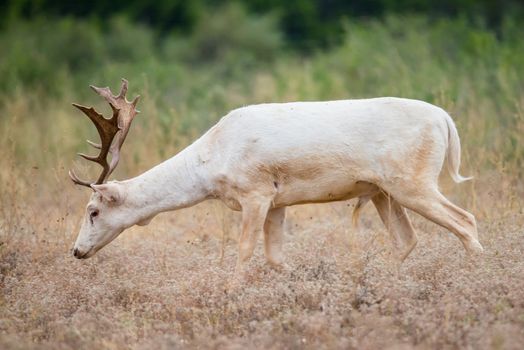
{"x":254,"y":213}
{"x":395,"y":218}
{"x":274,"y":236}
{"x":430,"y":203}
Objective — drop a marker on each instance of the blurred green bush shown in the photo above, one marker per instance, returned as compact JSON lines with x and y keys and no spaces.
{"x":306,"y":24}
{"x":43,"y":53}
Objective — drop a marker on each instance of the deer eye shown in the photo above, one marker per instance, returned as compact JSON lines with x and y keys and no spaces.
{"x":93,"y":214}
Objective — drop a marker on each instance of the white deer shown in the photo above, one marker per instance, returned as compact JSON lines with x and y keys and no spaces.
{"x":262,"y":158}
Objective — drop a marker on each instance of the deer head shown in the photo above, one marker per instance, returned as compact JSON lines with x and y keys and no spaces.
{"x":104,"y":219}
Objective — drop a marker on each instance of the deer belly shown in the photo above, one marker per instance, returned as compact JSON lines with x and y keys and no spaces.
{"x":321,"y":190}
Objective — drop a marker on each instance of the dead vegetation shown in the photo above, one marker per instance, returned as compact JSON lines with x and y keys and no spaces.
{"x":164,"y":286}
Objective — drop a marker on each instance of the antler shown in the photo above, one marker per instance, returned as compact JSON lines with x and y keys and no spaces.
{"x":112,"y":131}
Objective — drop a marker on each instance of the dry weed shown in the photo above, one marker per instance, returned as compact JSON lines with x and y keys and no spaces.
{"x":162,"y":287}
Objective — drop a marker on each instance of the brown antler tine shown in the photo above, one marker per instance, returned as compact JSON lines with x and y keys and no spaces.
{"x":94,"y":144}
{"x":123,"y":89}
{"x":90,"y":112}
{"x":101,"y":91}
{"x":88,"y":157}
{"x":135,"y":102}
{"x":77,"y":181}
{"x":107,"y":128}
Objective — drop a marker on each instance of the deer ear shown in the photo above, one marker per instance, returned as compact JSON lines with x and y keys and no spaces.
{"x":110,"y":192}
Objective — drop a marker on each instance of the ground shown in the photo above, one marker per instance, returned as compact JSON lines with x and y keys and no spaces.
{"x":166,"y":286}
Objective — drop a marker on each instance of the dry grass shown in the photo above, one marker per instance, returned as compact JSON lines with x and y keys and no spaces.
{"x":164,"y":286}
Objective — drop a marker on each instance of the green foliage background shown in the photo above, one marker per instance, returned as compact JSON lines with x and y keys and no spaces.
{"x":306,"y":23}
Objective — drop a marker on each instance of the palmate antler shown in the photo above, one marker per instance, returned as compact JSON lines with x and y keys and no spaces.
{"x":112,"y":131}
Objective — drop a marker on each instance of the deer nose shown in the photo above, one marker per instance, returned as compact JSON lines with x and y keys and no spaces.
{"x":76,"y":253}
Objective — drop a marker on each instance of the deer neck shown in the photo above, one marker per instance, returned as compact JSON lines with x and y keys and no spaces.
{"x":179,"y":182}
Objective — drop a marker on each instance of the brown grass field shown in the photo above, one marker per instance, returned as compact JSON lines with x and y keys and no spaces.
{"x":166,"y":285}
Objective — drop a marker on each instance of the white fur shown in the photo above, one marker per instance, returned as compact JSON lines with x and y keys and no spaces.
{"x":262,"y":158}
